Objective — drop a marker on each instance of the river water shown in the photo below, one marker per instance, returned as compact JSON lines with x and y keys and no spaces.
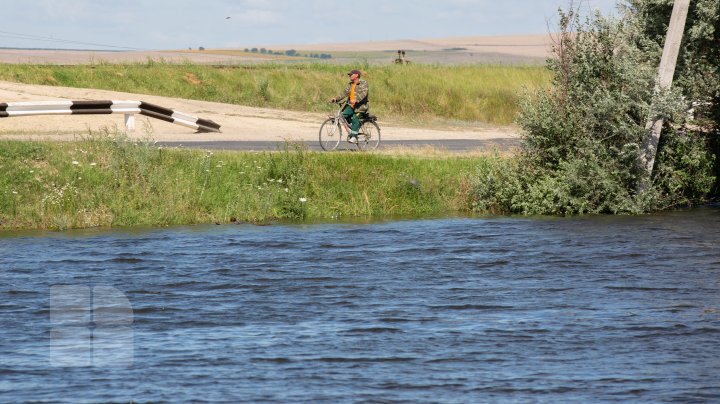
{"x":435,"y":310}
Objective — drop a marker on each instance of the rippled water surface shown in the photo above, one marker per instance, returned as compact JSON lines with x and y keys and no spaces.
{"x":442,"y":310}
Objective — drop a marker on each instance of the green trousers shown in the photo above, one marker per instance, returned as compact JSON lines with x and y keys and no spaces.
{"x":354,"y":119}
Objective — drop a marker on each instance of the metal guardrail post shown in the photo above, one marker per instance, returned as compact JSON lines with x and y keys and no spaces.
{"x":130,"y":122}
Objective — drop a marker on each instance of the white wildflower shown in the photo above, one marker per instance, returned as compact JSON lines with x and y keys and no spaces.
{"x":303,"y":200}
{"x":75,"y":163}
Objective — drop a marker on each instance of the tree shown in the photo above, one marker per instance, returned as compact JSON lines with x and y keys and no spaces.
{"x":583,"y":134}
{"x":698,"y":67}
{"x":697,"y":74}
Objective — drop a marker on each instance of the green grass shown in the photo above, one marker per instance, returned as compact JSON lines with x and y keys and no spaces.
{"x":109,"y":181}
{"x":407,"y":93}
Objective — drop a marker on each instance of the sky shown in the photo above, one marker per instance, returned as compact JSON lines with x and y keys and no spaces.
{"x":183,"y":24}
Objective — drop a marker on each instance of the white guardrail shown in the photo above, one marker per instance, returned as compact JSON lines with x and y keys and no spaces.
{"x":129,"y":108}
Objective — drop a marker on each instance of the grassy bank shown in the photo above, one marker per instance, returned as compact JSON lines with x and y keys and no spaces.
{"x":477,"y":93}
{"x":110,"y":181}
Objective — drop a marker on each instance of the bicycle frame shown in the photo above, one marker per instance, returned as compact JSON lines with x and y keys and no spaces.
{"x":339,"y":117}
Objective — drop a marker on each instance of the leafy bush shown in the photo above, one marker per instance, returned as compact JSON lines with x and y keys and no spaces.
{"x":497,"y":185}
{"x":582,"y":135}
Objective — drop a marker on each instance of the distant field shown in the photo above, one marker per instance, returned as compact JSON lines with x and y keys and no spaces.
{"x":416,"y":92}
{"x":447,"y":56}
{"x":509,"y":49}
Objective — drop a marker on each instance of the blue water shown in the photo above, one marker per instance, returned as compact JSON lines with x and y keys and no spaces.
{"x":439,"y":310}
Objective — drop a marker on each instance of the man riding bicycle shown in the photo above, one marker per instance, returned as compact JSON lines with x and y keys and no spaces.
{"x":356,"y":94}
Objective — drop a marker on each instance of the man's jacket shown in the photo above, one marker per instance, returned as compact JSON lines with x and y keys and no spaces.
{"x":361,"y":95}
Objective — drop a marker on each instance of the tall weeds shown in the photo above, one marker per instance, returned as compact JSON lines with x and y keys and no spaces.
{"x":108,"y":180}
{"x":479,"y":93}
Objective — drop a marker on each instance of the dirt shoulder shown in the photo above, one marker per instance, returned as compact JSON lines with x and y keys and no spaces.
{"x":237,"y":122}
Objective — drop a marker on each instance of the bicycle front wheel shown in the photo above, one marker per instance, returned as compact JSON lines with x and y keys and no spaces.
{"x":330,"y":134}
{"x":369,"y":137}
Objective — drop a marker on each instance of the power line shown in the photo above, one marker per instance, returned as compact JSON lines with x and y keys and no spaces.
{"x":16,"y":35}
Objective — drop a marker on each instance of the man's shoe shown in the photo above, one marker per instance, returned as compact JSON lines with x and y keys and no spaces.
{"x":352,"y":137}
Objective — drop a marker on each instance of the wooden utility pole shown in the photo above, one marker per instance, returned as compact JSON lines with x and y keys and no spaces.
{"x":666,"y":72}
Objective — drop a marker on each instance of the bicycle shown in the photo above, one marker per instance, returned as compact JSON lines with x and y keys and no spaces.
{"x":331,"y":131}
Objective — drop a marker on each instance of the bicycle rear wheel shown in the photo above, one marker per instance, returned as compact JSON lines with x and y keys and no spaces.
{"x":330,"y":134}
{"x":369,"y":137}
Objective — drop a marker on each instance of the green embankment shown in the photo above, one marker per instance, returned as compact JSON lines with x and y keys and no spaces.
{"x":110,"y":181}
{"x":405,"y":93}
{"x":107,"y":180}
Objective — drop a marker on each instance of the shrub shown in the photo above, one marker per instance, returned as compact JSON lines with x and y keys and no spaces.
{"x":582,"y":134}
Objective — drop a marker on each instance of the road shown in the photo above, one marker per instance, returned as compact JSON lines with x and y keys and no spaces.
{"x":243,"y":128}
